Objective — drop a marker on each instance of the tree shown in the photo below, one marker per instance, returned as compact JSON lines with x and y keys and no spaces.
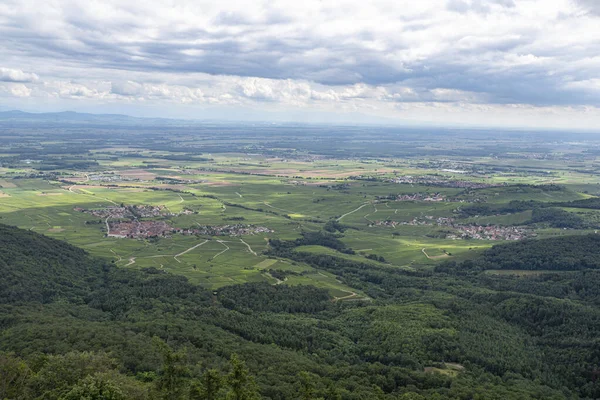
{"x":94,"y":388}
{"x":241,"y":384}
{"x":307,"y":386}
{"x":13,"y":377}
{"x":208,"y":387}
{"x":171,"y":382}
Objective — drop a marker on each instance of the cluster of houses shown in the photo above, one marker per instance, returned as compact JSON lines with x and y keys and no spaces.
{"x":430,"y":180}
{"x":135,"y":211}
{"x":465,"y":231}
{"x":422,"y":196}
{"x":150,"y":229}
{"x":112,"y":178}
{"x":491,"y":232}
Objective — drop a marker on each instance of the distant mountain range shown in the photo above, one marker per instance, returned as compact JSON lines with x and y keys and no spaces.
{"x":22,"y":118}
{"x":17,"y":116}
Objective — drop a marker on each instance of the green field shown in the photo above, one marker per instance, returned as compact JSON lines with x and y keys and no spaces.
{"x":288,"y":194}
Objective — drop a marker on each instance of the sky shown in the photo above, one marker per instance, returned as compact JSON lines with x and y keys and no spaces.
{"x":511,"y":63}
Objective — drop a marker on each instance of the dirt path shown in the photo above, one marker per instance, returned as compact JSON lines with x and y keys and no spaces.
{"x":181,"y":201}
{"x":226,"y":248}
{"x":352,"y":212}
{"x":249,"y":248}
{"x":277,"y":280}
{"x":87,"y":179}
{"x":365,"y":217}
{"x":90,"y":195}
{"x":120,"y":258}
{"x":239,"y":195}
{"x":107,"y":226}
{"x":131,"y":262}
{"x":279,"y":209}
{"x":434,"y":257}
{"x":188,"y":250}
{"x":351,"y":295}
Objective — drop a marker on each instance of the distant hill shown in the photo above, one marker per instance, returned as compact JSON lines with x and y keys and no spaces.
{"x":72,"y":117}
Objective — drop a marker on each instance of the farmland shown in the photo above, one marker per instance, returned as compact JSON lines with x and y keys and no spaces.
{"x":211,"y":208}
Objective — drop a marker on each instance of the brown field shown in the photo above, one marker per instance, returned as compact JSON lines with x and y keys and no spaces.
{"x":220,"y":183}
{"x":2,"y":194}
{"x":134,"y":190}
{"x":50,"y":194}
{"x":320,"y":173}
{"x":92,"y":187}
{"x":7,"y":184}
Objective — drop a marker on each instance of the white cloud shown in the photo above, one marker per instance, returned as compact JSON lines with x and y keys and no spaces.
{"x":16,"y":75}
{"x":346,"y":55}
{"x":20,"y":90}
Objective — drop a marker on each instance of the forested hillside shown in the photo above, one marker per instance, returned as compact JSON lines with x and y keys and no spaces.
{"x":567,"y":253}
{"x":77,"y":327}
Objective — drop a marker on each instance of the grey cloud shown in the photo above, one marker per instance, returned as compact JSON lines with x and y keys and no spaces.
{"x":16,"y":75}
{"x":592,"y":6}
{"x":479,"y":6}
{"x":127,"y":88}
{"x":469,"y":64}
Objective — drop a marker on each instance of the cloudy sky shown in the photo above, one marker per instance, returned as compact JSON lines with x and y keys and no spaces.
{"x":476,"y":62}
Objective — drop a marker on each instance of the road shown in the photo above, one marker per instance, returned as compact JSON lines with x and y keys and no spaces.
{"x":226,"y":248}
{"x":188,"y":250}
{"x":249,"y":248}
{"x":434,"y":257}
{"x":353,"y":211}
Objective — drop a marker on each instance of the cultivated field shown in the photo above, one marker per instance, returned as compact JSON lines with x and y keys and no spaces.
{"x":217,"y":206}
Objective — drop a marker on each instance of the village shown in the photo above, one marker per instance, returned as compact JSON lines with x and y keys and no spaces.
{"x":421,"y":196}
{"x":440,"y":181}
{"x":466,"y":231}
{"x":155,"y":229}
{"x":135,"y":211}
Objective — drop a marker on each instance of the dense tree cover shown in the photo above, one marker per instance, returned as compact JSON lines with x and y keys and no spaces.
{"x":43,"y":271}
{"x":275,"y":298}
{"x":513,"y":206}
{"x":548,"y":213}
{"x":557,"y":218}
{"x":592,"y":203}
{"x":97,"y":376}
{"x":567,"y":253}
{"x":502,"y":324}
{"x":333,"y":226}
{"x":115,"y":333}
{"x":319,"y":238}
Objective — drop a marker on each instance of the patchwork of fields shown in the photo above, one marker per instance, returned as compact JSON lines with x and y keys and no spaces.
{"x":285,"y":193}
